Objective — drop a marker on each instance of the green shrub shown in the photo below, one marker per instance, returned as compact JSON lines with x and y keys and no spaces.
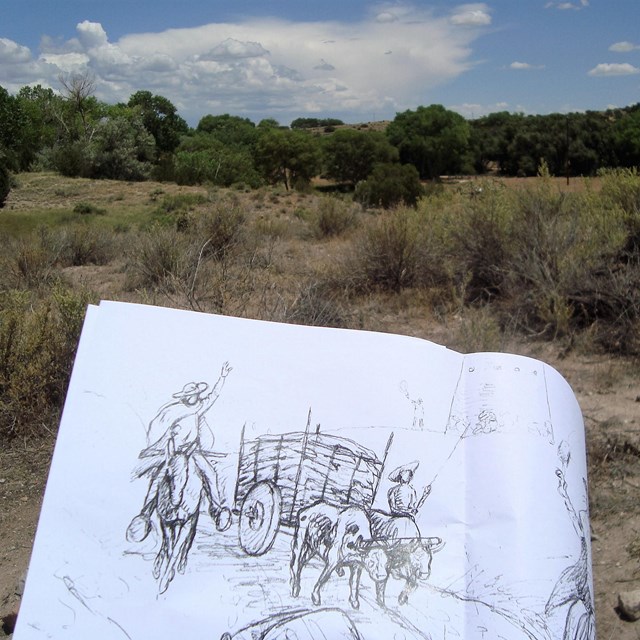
{"x":621,"y":190}
{"x":174,"y":210}
{"x":390,"y":185}
{"x":38,"y":340}
{"x":86,"y":208}
{"x":72,"y":159}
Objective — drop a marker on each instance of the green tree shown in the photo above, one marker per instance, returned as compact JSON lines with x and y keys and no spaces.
{"x":161,"y":120}
{"x":122,"y":149}
{"x":350,"y":155}
{"x":40,"y":105}
{"x":269,"y":123}
{"x":626,"y":136}
{"x":314,"y":123}
{"x":232,"y":131}
{"x":433,"y":139}
{"x":13,"y":129}
{"x":292,"y":157}
{"x":202,"y":158}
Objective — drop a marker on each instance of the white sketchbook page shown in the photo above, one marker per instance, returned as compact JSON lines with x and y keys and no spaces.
{"x":525,"y":464}
{"x":86,"y":578}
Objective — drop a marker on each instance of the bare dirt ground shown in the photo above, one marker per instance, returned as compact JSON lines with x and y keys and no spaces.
{"x":607,"y":388}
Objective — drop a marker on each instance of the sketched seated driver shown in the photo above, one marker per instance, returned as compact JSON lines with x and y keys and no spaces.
{"x":180,"y":426}
{"x":403,"y":499}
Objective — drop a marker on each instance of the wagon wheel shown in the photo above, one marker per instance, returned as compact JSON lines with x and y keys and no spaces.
{"x":260,"y":518}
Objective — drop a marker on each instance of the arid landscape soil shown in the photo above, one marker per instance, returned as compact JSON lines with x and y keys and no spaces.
{"x":607,"y":388}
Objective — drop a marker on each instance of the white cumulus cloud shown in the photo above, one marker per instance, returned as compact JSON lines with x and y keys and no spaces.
{"x":525,"y":66}
{"x":262,"y":67}
{"x":11,"y":52}
{"x":91,"y":34}
{"x":386,"y":16}
{"x":623,"y":47}
{"x":471,"y":15}
{"x":231,"y":48}
{"x":566,"y":6}
{"x":613,"y":69}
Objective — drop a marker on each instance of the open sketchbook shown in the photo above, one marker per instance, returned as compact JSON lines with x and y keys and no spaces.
{"x":222,"y":478}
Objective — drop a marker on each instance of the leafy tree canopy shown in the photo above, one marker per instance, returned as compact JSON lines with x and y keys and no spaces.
{"x":390,"y":185}
{"x":350,"y":155}
{"x":314,"y":123}
{"x":161,"y":119}
{"x":433,"y":139}
{"x":289,"y":156}
{"x":230,"y":130}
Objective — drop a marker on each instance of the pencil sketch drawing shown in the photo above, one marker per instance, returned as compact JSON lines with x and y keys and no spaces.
{"x":301,"y":624}
{"x":278,"y":475}
{"x":572,"y":591}
{"x":181,"y":474}
{"x":416,"y":403}
{"x":402,"y":497}
{"x":338,"y":535}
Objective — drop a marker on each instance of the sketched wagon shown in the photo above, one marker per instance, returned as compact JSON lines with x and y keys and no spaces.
{"x":280,"y":474}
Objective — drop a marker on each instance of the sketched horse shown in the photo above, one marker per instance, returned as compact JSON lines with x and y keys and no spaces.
{"x":175,"y":494}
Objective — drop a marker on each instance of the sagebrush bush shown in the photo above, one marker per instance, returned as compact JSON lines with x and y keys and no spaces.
{"x":30,"y":262}
{"x":621,"y":191}
{"x":335,"y":217}
{"x":317,"y":305}
{"x":38,"y":341}
{"x":219,"y":228}
{"x":387,"y":253}
{"x":155,"y":258}
{"x":545,"y":237}
{"x":481,"y":239}
{"x":82,"y":244}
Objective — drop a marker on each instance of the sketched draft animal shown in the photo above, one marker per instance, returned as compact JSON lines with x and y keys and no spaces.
{"x":336,"y":536}
{"x":409,"y":556}
{"x":176,"y":494}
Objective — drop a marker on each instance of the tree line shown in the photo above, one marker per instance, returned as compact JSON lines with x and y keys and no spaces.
{"x":74,"y":133}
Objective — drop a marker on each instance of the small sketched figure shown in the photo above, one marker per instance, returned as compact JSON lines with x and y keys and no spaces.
{"x":487,"y":422}
{"x":403,"y":498}
{"x":418,"y":406}
{"x":572,"y":587}
{"x":180,"y":475}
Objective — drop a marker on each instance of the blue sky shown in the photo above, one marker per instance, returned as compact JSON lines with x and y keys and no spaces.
{"x":349,"y":59}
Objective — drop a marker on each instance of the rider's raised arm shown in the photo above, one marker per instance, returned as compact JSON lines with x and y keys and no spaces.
{"x":212,"y":396}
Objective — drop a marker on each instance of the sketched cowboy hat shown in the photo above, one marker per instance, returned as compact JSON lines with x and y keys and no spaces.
{"x":394,"y":476}
{"x":191,"y":389}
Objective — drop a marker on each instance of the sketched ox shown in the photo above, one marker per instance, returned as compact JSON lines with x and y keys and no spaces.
{"x":409,"y":555}
{"x":338,"y":537}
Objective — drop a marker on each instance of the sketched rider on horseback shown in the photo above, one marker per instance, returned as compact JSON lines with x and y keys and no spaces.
{"x":179,"y":471}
